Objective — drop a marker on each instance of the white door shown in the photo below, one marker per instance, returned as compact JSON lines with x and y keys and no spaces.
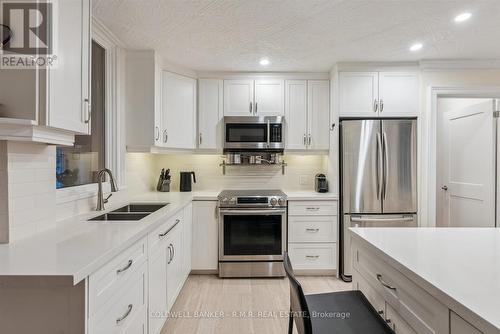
{"x":210,"y":95}
{"x":238,"y":97}
{"x":466,"y":165}
{"x":174,"y":264}
{"x":68,"y":108}
{"x":296,"y":114}
{"x":158,"y":303}
{"x":318,"y":111}
{"x":269,"y":98}
{"x":157,"y":134}
{"x":179,"y":111}
{"x":358,"y":94}
{"x":398,"y":94}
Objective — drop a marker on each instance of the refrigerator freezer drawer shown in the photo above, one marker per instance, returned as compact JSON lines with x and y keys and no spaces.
{"x":400,"y":220}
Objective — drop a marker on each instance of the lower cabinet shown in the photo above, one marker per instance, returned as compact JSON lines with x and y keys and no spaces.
{"x":158,"y":303}
{"x":205,"y":236}
{"x":175,"y":275}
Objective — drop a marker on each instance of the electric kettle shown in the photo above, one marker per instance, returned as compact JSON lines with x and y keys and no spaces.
{"x":185,"y":181}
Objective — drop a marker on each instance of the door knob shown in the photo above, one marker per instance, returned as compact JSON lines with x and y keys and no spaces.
{"x":445,"y":188}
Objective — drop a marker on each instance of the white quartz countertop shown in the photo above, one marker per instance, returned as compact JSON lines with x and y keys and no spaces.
{"x":77,"y":248}
{"x":462,"y":264}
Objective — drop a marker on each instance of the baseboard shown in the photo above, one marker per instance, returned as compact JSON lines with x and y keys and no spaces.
{"x":315,"y":272}
{"x":204,"y":272}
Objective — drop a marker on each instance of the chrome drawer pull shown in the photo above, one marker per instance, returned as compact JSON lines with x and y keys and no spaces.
{"x":129,"y":264}
{"x":314,"y":209}
{"x":312,"y":256}
{"x":161,"y":235}
{"x":388,"y":286}
{"x":312,"y":229}
{"x":123,"y":317}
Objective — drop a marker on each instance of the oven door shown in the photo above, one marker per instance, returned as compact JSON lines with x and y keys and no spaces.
{"x":252,"y":234}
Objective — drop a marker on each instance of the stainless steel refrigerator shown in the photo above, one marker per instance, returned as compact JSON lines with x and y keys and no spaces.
{"x":378,"y":160}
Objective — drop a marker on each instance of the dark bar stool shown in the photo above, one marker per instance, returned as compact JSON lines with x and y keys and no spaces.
{"x":346,"y":312}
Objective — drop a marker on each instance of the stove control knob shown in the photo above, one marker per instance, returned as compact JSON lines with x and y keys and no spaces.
{"x":232,"y":201}
{"x":224,"y":200}
{"x":273,"y":201}
{"x":281,"y":201}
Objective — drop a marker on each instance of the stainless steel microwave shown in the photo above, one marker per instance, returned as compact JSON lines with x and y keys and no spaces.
{"x":259,"y":133}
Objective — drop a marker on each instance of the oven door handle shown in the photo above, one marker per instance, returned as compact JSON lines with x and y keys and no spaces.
{"x":253,"y":212}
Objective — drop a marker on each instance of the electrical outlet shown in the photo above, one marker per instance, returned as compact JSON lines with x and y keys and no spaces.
{"x":304,"y":180}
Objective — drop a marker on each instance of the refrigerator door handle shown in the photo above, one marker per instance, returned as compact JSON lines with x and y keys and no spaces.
{"x":386,"y":162}
{"x":379,"y":166}
{"x":373,"y":220}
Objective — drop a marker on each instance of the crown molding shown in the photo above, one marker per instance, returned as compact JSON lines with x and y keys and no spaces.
{"x":460,"y":64}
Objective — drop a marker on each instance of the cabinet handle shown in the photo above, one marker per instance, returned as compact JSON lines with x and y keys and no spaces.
{"x":255,"y":108}
{"x":89,"y":111}
{"x":312,"y":256}
{"x":380,"y":312}
{"x":123,"y":317}
{"x":129,"y":264}
{"x":161,"y":235}
{"x":250,"y":107}
{"x":157,"y":134}
{"x":388,"y":321}
{"x":309,"y":140}
{"x":170,"y":258}
{"x":312,"y":229}
{"x":165,"y":136}
{"x":375,"y":105}
{"x":381,"y":280}
{"x":305,"y":140}
{"x":381,"y":105}
{"x":173,"y":252}
{"x":312,"y":209}
{"x":201,"y":139}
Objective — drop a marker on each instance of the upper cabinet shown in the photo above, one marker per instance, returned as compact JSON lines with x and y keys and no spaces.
{"x":51,"y":105}
{"x":254,"y":97}
{"x":378,"y":94}
{"x":210,"y":112}
{"x":160,"y":105}
{"x":178,"y":111}
{"x":307,"y":114}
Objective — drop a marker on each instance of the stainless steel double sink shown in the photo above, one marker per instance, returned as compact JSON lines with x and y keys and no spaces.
{"x":130,"y":212}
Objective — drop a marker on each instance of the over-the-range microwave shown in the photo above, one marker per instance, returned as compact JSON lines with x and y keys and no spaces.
{"x":254,"y":133}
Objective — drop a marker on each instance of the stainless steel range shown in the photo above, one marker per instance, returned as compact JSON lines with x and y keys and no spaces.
{"x":252,"y":233}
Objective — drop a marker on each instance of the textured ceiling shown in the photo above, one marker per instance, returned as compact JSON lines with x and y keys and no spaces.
{"x":302,"y":35}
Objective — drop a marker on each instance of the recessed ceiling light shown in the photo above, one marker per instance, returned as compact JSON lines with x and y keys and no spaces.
{"x":463,"y":17}
{"x":264,"y":61}
{"x":416,"y":47}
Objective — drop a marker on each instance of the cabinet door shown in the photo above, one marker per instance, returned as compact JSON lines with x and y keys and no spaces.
{"x":178,"y":111}
{"x":205,"y":236}
{"x":158,"y":303}
{"x":358,"y":94}
{"x":68,"y":107}
{"x":210,"y":95}
{"x":318,"y":114}
{"x":398,"y":94}
{"x":238,"y":97}
{"x":174,"y":264}
{"x":398,"y":324}
{"x":296,"y":114}
{"x":157,"y":131}
{"x":269,"y":98}
{"x":187,"y":236}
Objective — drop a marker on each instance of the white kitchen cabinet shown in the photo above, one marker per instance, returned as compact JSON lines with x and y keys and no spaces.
{"x":318,"y":114}
{"x":175,"y":277}
{"x":398,"y":94}
{"x":210,"y":113}
{"x":158,"y":303}
{"x":269,"y":97}
{"x":143,"y":100}
{"x":178,"y":111}
{"x":254,"y":97}
{"x":378,"y":94}
{"x":187,"y":239}
{"x":205,"y":236}
{"x":307,"y":114}
{"x":52,"y":105}
{"x":238,"y":97}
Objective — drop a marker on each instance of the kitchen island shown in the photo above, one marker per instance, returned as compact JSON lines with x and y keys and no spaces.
{"x":429,"y":280}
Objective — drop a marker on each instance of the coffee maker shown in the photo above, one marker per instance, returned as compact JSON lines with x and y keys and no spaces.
{"x":185,"y":181}
{"x":321,"y":183}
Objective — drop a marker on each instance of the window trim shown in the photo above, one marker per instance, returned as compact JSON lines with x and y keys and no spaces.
{"x":114,"y":148}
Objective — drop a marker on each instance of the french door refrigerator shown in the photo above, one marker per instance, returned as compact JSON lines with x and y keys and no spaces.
{"x":378,"y":159}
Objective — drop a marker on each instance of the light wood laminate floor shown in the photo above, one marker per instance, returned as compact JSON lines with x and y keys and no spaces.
{"x":210,"y":305}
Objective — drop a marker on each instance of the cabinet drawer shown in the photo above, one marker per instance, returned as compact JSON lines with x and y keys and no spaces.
{"x":158,"y":235}
{"x":424,"y":313}
{"x":396,"y":322}
{"x":313,"y":256}
{"x":460,"y":326}
{"x":107,"y":281}
{"x":312,"y":229}
{"x":127,"y":312}
{"x":377,"y":301}
{"x":316,"y":208}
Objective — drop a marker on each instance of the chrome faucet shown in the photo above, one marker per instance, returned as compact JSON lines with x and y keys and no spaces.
{"x":100,"y":197}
